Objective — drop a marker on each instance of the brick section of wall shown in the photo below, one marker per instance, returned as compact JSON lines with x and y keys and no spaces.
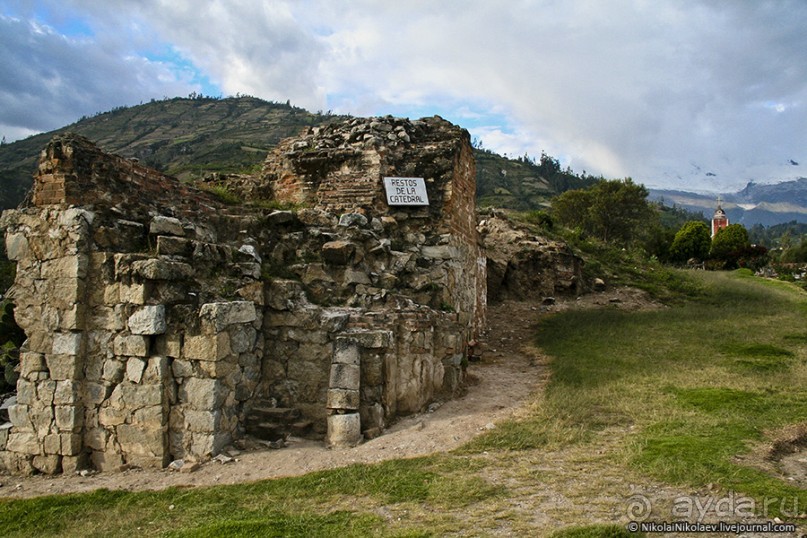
{"x":74,"y":171}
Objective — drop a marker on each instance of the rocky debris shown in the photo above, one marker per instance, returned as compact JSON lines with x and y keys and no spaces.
{"x":598,"y":284}
{"x":521,"y":265}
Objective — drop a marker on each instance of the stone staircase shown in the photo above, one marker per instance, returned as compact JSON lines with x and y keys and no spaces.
{"x":269,"y":423}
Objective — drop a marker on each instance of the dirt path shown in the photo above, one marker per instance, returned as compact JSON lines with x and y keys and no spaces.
{"x":508,"y":361}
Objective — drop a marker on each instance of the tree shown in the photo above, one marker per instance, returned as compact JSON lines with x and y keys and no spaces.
{"x":571,"y":208}
{"x":691,"y":241}
{"x":609,"y":210}
{"x":730,"y":244}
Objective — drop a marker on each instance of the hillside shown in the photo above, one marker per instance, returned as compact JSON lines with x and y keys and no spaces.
{"x":183,"y":137}
{"x":522,"y":183}
{"x":188,"y":138}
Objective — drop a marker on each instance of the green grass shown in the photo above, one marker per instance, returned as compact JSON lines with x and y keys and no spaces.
{"x":700,"y":383}
{"x":298,"y":506}
{"x":595,"y":531}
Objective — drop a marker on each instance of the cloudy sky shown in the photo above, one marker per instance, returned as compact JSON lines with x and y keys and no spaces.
{"x":696,"y":94}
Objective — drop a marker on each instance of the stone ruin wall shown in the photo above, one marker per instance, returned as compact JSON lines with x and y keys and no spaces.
{"x":163,"y":324}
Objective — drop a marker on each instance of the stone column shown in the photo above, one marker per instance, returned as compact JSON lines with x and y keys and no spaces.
{"x":344,"y":422}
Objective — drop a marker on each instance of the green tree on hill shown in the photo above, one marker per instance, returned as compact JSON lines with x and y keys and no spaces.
{"x":691,"y":241}
{"x":730,"y":244}
{"x":612,"y":211}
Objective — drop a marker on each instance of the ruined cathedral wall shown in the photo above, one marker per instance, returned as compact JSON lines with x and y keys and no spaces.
{"x":340,"y":168}
{"x":121,"y":366}
{"x":161,"y":324}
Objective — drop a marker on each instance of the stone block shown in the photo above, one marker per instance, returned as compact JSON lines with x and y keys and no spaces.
{"x":242,"y":338}
{"x":207,"y":348}
{"x":343,"y":399}
{"x":346,"y":351}
{"x":148,"y":320}
{"x":73,"y":464}
{"x":338,"y":252}
{"x":134,"y":293}
{"x":353,"y":276}
{"x":343,"y":430}
{"x":31,"y":363}
{"x":72,"y":319}
{"x":174,"y":246}
{"x":308,"y":336}
{"x":52,"y":444}
{"x":62,"y":367}
{"x":202,"y":421}
{"x":68,"y":418}
{"x":182,"y":368}
{"x":41,"y":418}
{"x":39,"y":342}
{"x":134,"y":369}
{"x":64,"y":292}
{"x":202,"y":445}
{"x":131,"y":346}
{"x":344,"y":376}
{"x":48,"y":464}
{"x":111,"y":294}
{"x":16,"y":246}
{"x":26,"y":392}
{"x":106,"y":462}
{"x":254,"y":292}
{"x":162,"y":225}
{"x":150,"y":416}
{"x":113,"y":370}
{"x":169,"y":345}
{"x":96,"y":438}
{"x":217,"y":369}
{"x":45,"y":391}
{"x":141,"y":441}
{"x":23,"y":442}
{"x":66,"y":393}
{"x":353,"y":219}
{"x":282,"y":294}
{"x":333,"y":321}
{"x":219,"y":316}
{"x":162,"y":269}
{"x":110,"y":416}
{"x":373,"y":339}
{"x":5,"y":429}
{"x":202,"y":394}
{"x":19,"y":415}
{"x":157,"y":370}
{"x":137,"y":396}
{"x":66,"y":344}
{"x":94,"y":393}
{"x":66,"y":267}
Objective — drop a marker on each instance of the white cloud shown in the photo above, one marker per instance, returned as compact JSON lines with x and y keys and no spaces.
{"x":625,"y":87}
{"x":49,"y":80}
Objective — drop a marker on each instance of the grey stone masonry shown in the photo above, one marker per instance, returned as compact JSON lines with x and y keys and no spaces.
{"x":158,"y":319}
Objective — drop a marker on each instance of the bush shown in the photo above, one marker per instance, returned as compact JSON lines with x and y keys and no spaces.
{"x":11,"y":338}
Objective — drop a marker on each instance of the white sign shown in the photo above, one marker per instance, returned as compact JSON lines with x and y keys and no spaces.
{"x":406,"y":191}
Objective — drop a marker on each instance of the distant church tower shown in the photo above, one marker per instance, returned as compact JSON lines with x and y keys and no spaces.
{"x":719,"y":219}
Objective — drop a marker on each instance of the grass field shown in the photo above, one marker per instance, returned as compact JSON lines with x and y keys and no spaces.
{"x":667,"y":398}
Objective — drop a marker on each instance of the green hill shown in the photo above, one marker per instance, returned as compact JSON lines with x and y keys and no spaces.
{"x":182,"y":137}
{"x":190,"y":137}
